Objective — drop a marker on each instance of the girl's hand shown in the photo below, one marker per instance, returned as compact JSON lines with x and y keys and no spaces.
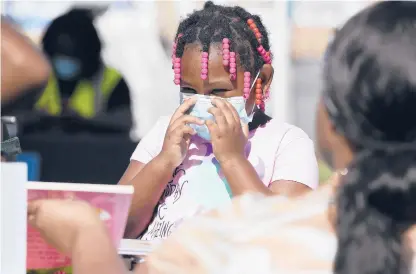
{"x":60,"y":222}
{"x":178,"y":134}
{"x":228,"y":135}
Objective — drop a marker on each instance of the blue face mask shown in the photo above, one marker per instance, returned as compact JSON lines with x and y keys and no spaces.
{"x":66,"y":68}
{"x":200,"y":110}
{"x":203,"y":103}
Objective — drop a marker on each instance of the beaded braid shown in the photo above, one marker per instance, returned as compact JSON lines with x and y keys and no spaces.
{"x":239,"y":32}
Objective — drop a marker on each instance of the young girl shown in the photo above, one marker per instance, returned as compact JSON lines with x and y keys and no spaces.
{"x":219,"y":143}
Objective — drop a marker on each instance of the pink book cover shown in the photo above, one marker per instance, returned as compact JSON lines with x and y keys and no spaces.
{"x":112,"y":203}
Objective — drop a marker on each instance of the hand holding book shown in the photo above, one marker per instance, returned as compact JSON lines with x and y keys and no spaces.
{"x":61,"y":222}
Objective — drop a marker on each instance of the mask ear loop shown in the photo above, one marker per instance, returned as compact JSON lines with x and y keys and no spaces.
{"x":251,"y":88}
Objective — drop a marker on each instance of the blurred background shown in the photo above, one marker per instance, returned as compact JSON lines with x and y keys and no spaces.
{"x":133,"y":66}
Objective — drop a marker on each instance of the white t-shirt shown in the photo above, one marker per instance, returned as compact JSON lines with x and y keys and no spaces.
{"x":276,"y":151}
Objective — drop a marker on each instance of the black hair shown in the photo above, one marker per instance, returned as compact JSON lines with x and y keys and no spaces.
{"x":78,"y":24}
{"x":370,"y":97}
{"x":214,"y":22}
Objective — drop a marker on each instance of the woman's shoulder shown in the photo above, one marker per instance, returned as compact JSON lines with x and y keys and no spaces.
{"x":277,"y":241}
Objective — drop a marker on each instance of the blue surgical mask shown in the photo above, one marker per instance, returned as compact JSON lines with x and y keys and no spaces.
{"x":203,"y":103}
{"x":200,"y":110}
{"x":66,"y":68}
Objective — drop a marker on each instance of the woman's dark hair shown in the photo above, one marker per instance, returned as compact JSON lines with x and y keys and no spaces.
{"x":214,"y":22}
{"x":83,"y":41}
{"x":370,"y":96}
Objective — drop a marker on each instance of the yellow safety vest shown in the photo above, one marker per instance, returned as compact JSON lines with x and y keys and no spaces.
{"x":82,"y":100}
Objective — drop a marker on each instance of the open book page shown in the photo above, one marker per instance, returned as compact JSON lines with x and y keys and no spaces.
{"x":111,"y":203}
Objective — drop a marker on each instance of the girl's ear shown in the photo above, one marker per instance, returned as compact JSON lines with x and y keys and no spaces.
{"x":266,"y":75}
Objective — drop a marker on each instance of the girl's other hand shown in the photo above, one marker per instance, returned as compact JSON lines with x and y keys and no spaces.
{"x":60,"y":222}
{"x":228,"y":135}
{"x":178,"y":134}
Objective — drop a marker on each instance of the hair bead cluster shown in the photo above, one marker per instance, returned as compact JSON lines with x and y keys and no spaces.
{"x":254,"y":28}
{"x":204,"y":65}
{"x":259,"y":94}
{"x":225,"y":52}
{"x":233,"y":66}
{"x":176,"y":63}
{"x":177,"y":70}
{"x":264,"y":54}
{"x":228,"y":27}
{"x":247,"y":83}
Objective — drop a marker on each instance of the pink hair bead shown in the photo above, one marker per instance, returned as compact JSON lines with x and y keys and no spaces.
{"x":246,"y":93}
{"x":225,"y":51}
{"x":233,"y":66}
{"x":177,"y":70}
{"x":260,"y":48}
{"x":204,"y":65}
{"x":246,"y":90}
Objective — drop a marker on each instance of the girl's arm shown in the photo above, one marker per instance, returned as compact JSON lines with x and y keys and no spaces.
{"x":149,"y":180}
{"x":242,"y":177}
{"x":295,"y":170}
{"x":162,"y":149}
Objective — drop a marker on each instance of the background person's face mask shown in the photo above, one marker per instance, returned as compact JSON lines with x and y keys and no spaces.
{"x":66,"y":68}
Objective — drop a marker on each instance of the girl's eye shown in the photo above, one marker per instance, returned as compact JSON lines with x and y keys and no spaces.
{"x":188,"y":90}
{"x":216,"y":91}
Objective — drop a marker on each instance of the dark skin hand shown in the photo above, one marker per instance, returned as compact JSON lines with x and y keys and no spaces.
{"x":229,"y":137}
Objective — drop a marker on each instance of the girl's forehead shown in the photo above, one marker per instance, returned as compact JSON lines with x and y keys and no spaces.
{"x":191,"y":64}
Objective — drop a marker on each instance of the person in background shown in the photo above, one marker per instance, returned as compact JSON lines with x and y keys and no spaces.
{"x":363,"y":223}
{"x":219,"y":143}
{"x":81,"y":84}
